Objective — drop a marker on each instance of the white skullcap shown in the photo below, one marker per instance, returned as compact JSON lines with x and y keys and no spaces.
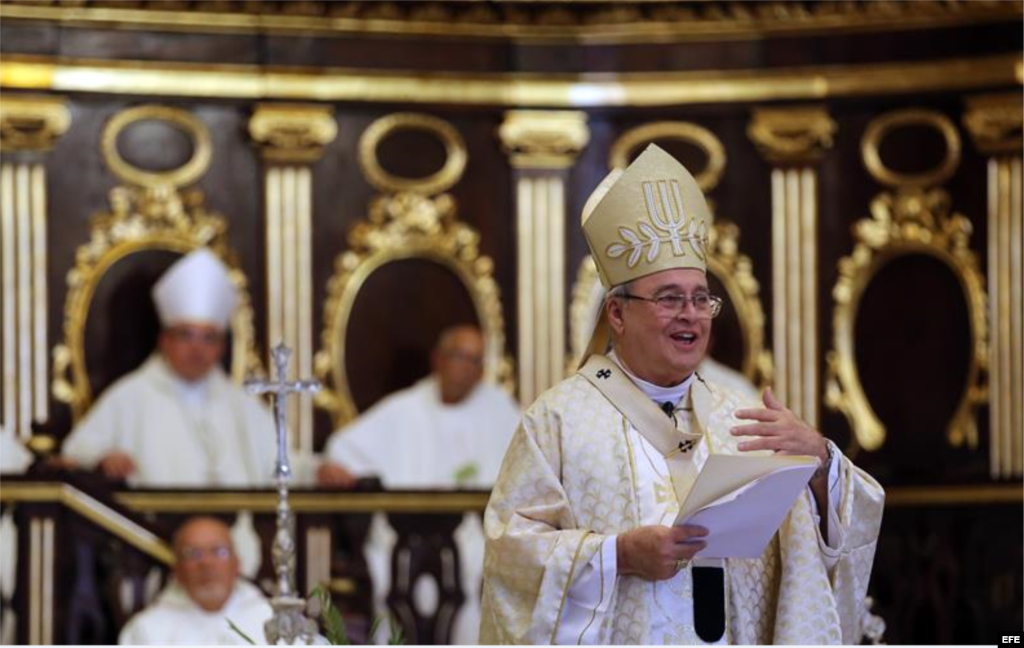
{"x":197,"y":289}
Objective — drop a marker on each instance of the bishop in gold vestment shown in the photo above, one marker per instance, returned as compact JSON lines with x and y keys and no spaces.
{"x":583,"y":479}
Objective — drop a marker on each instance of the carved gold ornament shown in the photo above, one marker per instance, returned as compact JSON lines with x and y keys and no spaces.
{"x":994,"y":120}
{"x":400,"y":227}
{"x":292,"y":133}
{"x":32,"y":122}
{"x":792,"y":134}
{"x":914,"y":219}
{"x":591,"y":23}
{"x":543,"y":139}
{"x":407,"y":224}
{"x":152,"y":215}
{"x":442,"y":179}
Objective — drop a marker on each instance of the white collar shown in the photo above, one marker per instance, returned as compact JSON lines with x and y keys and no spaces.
{"x":656,"y":393}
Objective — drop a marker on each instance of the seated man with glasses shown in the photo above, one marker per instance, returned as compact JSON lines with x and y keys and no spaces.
{"x":447,"y":430}
{"x":178,"y":420}
{"x":204,"y":595}
{"x":581,"y":542}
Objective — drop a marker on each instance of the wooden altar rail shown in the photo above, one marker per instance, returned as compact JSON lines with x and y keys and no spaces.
{"x":80,"y":547}
{"x":181,"y":502}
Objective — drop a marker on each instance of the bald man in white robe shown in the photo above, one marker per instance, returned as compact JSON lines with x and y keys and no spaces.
{"x":204,"y":595}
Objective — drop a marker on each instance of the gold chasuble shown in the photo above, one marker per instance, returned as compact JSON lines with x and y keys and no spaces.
{"x":570,"y":480}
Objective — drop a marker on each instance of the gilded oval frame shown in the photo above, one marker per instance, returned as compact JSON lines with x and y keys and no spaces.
{"x":406,"y":227}
{"x":449,"y":173}
{"x":881,"y":239}
{"x":184,"y":175}
{"x":913,"y":219}
{"x":882,"y":126}
{"x":150,"y":213}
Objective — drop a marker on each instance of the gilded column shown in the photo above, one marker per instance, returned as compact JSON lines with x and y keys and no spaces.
{"x":29,"y":127}
{"x":995,"y":122}
{"x":542,"y":146}
{"x":291,"y":138}
{"x":793,"y":140}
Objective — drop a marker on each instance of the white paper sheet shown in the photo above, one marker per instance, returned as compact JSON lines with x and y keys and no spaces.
{"x":742,"y":519}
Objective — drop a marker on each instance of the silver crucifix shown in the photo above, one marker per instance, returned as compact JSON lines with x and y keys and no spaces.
{"x":289,"y":621}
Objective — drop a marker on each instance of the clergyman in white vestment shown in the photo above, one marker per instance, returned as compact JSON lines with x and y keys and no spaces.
{"x":178,"y":420}
{"x":448,"y":430}
{"x":581,"y":542}
{"x":205,"y":593}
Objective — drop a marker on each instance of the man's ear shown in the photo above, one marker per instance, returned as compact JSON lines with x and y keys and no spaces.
{"x":613,"y":307}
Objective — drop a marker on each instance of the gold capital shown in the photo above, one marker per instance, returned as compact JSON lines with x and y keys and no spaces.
{"x":995,"y":121}
{"x":544,"y":139}
{"x":292,"y":133}
{"x":796,"y":135}
{"x":32,"y":122}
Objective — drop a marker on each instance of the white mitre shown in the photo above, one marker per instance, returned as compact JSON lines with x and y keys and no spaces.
{"x":197,"y":289}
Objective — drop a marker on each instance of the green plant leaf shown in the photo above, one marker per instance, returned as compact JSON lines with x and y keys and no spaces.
{"x":397,"y":637}
{"x":465,"y":473}
{"x":239,"y":632}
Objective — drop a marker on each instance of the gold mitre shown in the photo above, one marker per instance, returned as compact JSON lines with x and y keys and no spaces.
{"x":650,"y":217}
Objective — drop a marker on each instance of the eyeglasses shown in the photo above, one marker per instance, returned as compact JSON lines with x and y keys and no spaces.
{"x":195,"y":554}
{"x":468,"y":358}
{"x":706,"y":306}
{"x":189,"y":334}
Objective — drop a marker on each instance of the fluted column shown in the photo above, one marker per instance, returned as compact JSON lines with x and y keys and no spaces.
{"x":542,"y":146}
{"x":29,"y":127}
{"x":994,"y":122}
{"x":292,"y":138}
{"x":793,"y":140}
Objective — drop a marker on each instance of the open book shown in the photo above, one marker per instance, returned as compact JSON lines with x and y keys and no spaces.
{"x":741,"y":501}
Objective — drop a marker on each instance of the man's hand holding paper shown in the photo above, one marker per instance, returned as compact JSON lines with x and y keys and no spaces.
{"x":743,"y":499}
{"x":654,"y":552}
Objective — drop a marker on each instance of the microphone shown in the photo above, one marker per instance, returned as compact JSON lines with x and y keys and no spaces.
{"x":669,"y":409}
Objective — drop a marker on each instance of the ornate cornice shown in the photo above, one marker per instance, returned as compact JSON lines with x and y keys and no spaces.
{"x":292,"y":133}
{"x":795,"y":135}
{"x":32,"y":122}
{"x":994,"y":122}
{"x":513,"y":90}
{"x":545,"y":139}
{"x":562,"y":21}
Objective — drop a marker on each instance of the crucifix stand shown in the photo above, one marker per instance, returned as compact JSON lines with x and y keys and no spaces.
{"x":289,"y":622}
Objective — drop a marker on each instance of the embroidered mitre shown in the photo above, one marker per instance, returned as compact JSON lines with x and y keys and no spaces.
{"x":651,"y":216}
